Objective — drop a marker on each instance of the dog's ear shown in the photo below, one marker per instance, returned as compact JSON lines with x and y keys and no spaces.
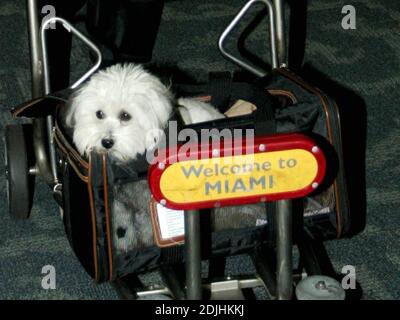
{"x":161,"y":104}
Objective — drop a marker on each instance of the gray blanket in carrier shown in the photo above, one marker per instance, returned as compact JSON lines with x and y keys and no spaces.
{"x":132,"y":224}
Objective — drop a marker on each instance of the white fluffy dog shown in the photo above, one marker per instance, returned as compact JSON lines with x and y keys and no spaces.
{"x":120,"y":109}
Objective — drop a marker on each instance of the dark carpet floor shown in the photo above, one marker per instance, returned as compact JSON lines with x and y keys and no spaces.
{"x":363,"y":62}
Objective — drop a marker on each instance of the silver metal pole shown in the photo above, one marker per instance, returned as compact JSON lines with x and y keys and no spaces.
{"x":284,"y":269}
{"x":52,"y":150}
{"x":234,"y":23}
{"x":35,"y":50}
{"x":280,"y":32}
{"x":193,"y":255}
{"x":39,"y":125}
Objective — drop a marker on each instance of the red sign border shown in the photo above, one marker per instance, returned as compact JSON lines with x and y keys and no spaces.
{"x":278,"y":142}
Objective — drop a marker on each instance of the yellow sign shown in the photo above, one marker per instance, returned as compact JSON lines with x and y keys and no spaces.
{"x":239,"y":176}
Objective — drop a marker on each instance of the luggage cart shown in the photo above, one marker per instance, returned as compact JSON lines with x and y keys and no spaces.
{"x":43,"y":163}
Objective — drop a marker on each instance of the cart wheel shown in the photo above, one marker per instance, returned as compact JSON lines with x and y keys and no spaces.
{"x":20,"y":183}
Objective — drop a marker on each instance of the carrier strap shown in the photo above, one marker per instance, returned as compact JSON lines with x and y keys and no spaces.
{"x":264,"y":115}
{"x":223,"y":91}
{"x":220,"y":88}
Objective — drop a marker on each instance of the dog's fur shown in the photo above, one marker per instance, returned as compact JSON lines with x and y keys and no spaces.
{"x":131,"y":220}
{"x":129,"y":106}
{"x":131,"y":90}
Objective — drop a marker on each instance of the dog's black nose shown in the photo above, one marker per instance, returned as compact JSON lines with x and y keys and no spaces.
{"x":107,"y":143}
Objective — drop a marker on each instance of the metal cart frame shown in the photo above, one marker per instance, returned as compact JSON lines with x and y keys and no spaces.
{"x":280,"y":285}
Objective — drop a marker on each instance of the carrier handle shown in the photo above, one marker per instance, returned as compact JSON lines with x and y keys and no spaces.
{"x":274,"y":57}
{"x":69,"y":28}
{"x":47,"y":89}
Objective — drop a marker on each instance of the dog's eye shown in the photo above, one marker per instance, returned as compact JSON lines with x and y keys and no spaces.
{"x":100,"y":114}
{"x":125,"y":116}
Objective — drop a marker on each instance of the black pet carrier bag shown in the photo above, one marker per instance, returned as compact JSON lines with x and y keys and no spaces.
{"x":279,"y":103}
